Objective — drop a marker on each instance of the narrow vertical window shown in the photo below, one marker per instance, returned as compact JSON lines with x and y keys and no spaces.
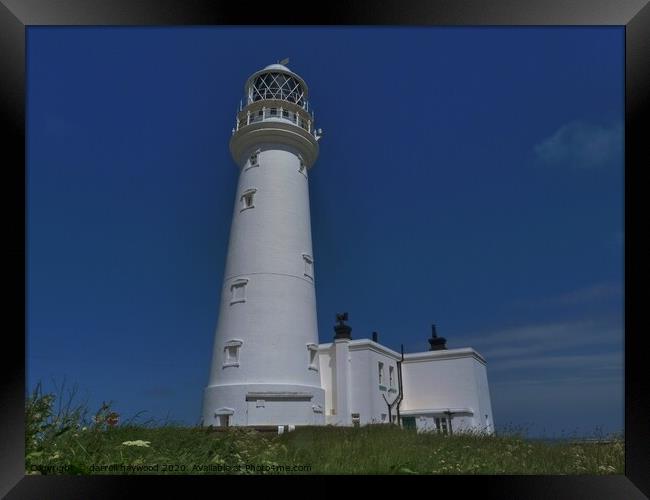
{"x":238,"y":291}
{"x":253,"y":160}
{"x":303,"y":167}
{"x":313,"y":356}
{"x":391,"y":376}
{"x":309,"y":266}
{"x":381,"y":373}
{"x":247,"y":199}
{"x":231,"y":353}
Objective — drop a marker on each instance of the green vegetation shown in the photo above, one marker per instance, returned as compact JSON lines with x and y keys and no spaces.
{"x":67,"y":442}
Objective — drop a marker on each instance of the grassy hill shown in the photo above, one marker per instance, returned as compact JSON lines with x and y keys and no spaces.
{"x":69,"y":443}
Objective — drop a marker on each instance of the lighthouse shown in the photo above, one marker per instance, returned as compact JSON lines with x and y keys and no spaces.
{"x":265,"y":363}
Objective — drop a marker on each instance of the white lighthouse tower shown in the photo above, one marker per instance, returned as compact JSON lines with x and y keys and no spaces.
{"x":265,"y":365}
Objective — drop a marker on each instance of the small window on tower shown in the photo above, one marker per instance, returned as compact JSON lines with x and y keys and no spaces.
{"x":391,"y":376}
{"x":238,"y":291}
{"x":309,"y":266}
{"x":247,"y":199}
{"x":253,"y":160}
{"x":303,"y":168}
{"x":231,"y":353}
{"x":381,"y":373}
{"x":313,"y":356}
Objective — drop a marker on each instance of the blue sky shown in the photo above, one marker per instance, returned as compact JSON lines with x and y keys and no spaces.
{"x":468,"y":177}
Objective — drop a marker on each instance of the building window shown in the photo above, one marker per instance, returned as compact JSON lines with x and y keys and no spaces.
{"x":253,"y":159}
{"x":391,"y":376}
{"x":247,"y":199}
{"x":441,"y":425}
{"x":312,"y":350}
{"x":356,"y":419}
{"x":238,"y":291}
{"x":381,"y":373}
{"x":231,"y":353}
{"x":309,"y":266}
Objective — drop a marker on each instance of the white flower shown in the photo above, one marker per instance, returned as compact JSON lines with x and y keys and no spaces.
{"x":139,"y":442}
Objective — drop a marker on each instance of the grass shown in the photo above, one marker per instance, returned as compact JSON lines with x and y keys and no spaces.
{"x":69,"y":442}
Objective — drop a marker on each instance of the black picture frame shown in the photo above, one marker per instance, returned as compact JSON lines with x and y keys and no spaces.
{"x":634,"y":15}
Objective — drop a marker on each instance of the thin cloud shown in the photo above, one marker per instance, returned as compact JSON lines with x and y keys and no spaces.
{"x":581,"y":145}
{"x":585,"y":295}
{"x":553,"y":346}
{"x":583,"y":379}
{"x":559,"y":333}
{"x":599,"y":362}
{"x":591,"y":293}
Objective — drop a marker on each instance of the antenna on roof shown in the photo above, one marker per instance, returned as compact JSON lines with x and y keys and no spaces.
{"x":284,"y":62}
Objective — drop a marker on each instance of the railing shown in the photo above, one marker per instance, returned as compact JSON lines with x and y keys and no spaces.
{"x":304,"y":103}
{"x":303,"y":120}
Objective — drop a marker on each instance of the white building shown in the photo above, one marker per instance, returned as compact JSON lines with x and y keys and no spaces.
{"x":267,"y":366}
{"x":441,"y":389}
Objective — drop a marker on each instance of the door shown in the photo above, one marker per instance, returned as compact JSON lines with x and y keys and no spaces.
{"x":408,"y":422}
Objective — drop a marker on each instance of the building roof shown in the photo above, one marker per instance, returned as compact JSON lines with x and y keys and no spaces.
{"x":458,"y":352}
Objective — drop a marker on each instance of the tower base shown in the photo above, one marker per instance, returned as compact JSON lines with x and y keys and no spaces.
{"x":262,"y":405}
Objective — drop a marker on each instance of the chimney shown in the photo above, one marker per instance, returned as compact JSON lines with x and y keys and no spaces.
{"x":436,"y":343}
{"x":342,"y":331}
{"x":374,"y":337}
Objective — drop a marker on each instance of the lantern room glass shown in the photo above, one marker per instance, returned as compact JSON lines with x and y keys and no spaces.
{"x":274,"y":85}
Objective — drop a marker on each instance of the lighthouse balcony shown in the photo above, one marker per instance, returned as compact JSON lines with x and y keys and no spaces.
{"x":273,"y":110}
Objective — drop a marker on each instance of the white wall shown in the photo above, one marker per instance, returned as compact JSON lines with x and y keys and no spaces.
{"x":278,"y":319}
{"x":367,"y":394}
{"x":433,"y":382}
{"x":454,"y":379}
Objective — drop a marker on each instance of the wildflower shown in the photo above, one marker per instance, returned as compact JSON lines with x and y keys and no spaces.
{"x":112,"y":419}
{"x":139,"y":442}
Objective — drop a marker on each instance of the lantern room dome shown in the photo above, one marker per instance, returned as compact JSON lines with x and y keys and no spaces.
{"x":277,"y":67}
{"x":276,"y":81}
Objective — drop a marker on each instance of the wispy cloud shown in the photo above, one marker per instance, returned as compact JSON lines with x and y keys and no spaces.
{"x":596,"y":292}
{"x":582,"y":145}
{"x":563,"y":350}
{"x":591,"y":293}
{"x":580,"y":362}
{"x":535,"y":339}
